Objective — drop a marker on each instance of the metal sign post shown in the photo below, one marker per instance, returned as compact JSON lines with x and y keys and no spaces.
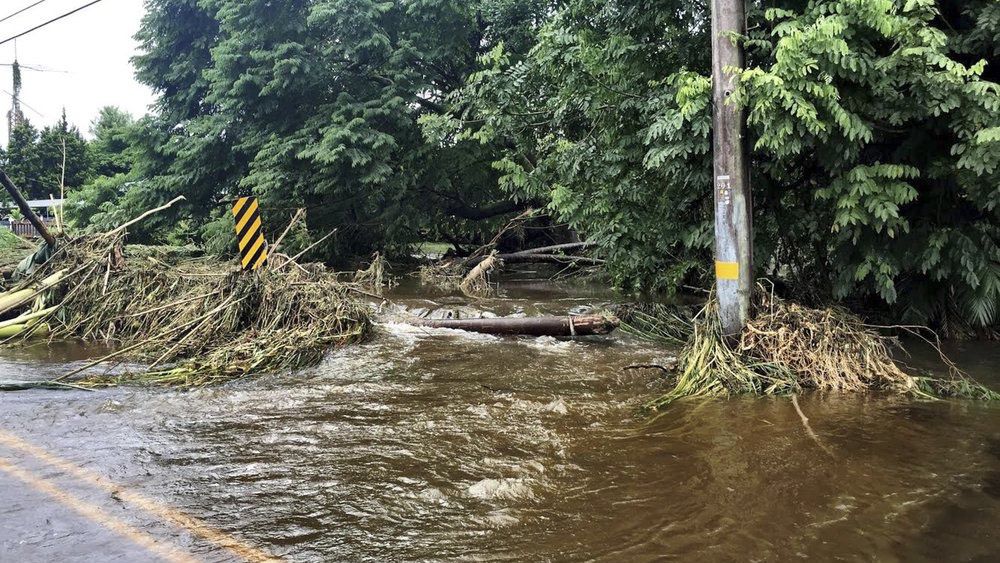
{"x":249,"y":233}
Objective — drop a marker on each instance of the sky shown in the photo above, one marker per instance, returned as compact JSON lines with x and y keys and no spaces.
{"x":92,"y":47}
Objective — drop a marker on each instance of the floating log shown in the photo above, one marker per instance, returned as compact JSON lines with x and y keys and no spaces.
{"x":581,"y":325}
{"x":13,"y":385}
{"x":530,"y":257}
{"x":542,"y":254}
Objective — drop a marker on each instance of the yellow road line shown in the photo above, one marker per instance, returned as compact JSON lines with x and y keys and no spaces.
{"x":95,"y":514}
{"x":178,"y":518}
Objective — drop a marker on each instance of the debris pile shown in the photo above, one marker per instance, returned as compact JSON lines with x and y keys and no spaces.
{"x":193,"y":322}
{"x":787,"y":348}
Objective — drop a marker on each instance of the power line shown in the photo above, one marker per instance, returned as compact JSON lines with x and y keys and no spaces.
{"x":24,"y":9}
{"x":40,"y":114}
{"x":36,"y":68}
{"x":55,"y":19}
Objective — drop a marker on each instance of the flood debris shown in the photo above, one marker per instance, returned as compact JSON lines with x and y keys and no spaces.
{"x":477,"y":281}
{"x":18,"y":385}
{"x":787,"y":348}
{"x":375,"y":277}
{"x":193,"y":322}
{"x":472,"y":274}
{"x":549,"y":325}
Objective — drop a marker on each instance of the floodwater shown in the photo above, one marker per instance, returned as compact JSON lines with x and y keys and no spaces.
{"x":445,"y":445}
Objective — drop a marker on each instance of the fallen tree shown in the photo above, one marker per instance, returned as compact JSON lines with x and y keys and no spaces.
{"x":535,"y":257}
{"x":581,"y":325}
{"x":471,"y":273}
{"x":551,"y":253}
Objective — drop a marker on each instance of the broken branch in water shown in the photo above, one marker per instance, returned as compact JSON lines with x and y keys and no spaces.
{"x":477,"y":282}
{"x":582,"y":325}
{"x":293,"y":259}
{"x":648,"y":366}
{"x":809,"y":430}
{"x":15,"y":385}
{"x":450,"y":273}
{"x":528,"y":257}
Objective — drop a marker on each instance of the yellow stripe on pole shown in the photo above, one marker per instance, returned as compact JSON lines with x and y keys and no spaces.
{"x":249,"y":233}
{"x":260,"y":261}
{"x":727,"y":270}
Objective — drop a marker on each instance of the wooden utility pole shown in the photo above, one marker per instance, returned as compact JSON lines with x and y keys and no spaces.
{"x":733,"y":248}
{"x":26,"y":209}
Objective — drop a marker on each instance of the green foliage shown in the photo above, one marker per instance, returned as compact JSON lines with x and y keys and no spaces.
{"x":874,"y":130}
{"x":21,"y":160}
{"x":113,"y":149}
{"x":34,"y":159}
{"x":94,"y":206}
{"x":317,"y":104}
{"x":901,"y":134}
{"x":601,"y":123}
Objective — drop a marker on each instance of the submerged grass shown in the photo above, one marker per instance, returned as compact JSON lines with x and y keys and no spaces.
{"x":788,"y":348}
{"x":195,"y":322}
{"x":656,"y":322}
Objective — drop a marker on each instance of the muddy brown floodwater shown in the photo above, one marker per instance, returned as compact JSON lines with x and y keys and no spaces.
{"x":445,"y":445}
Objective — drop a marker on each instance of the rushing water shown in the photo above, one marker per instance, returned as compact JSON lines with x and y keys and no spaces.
{"x":445,"y":445}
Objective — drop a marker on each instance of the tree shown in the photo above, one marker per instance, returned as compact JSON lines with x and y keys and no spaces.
{"x":317,"y":104}
{"x":875,"y":129}
{"x":112,"y":149}
{"x":52,"y":141}
{"x":34,"y":160}
{"x":581,"y":117}
{"x":21,"y":161}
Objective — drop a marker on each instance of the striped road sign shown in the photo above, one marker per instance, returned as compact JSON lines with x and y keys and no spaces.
{"x":249,"y":234}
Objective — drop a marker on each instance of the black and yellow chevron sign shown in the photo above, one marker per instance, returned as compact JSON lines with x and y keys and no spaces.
{"x":249,"y":233}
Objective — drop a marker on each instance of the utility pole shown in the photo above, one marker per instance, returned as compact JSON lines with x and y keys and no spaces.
{"x":26,"y":209}
{"x":733,"y":248}
{"x":15,"y":116}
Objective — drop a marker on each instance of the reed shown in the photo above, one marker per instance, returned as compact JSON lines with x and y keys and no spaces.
{"x":787,"y":348}
{"x":191,"y":323}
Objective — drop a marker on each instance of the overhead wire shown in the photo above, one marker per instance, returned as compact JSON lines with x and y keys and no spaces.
{"x":21,"y":101}
{"x":45,"y":23}
{"x":36,"y":68}
{"x":24,"y":9}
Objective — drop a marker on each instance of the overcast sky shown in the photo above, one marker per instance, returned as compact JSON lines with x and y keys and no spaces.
{"x":92,"y":46}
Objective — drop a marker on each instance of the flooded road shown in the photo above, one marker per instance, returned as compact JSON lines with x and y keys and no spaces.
{"x":444,"y":445}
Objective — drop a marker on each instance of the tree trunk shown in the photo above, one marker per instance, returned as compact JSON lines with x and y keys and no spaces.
{"x":543,"y":254}
{"x":581,"y":325}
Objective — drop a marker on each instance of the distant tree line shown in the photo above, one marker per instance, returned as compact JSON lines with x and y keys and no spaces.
{"x":874,"y":125}
{"x":58,"y":160}
{"x":33,"y":159}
